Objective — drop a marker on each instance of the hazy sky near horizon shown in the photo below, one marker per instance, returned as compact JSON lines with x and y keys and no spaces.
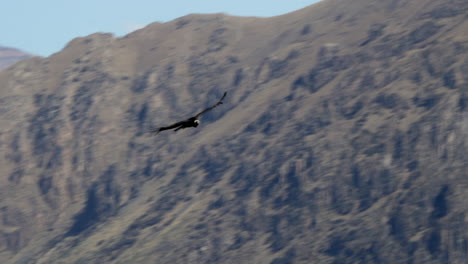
{"x":45,"y":27}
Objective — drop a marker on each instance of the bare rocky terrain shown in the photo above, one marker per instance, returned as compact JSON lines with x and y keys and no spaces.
{"x":343,"y":139}
{"x":9,"y":56}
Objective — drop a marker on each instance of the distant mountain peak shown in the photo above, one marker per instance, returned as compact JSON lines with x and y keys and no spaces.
{"x":9,"y":56}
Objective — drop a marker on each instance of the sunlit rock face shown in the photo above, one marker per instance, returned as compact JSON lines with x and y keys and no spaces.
{"x":342,"y":139}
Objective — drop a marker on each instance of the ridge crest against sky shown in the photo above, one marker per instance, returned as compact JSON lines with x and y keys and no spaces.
{"x":44,"y":27}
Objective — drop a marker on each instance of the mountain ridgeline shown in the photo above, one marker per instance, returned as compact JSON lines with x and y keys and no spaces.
{"x":342,"y":139}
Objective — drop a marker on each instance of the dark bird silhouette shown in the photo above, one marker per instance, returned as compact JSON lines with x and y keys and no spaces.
{"x":190,"y":122}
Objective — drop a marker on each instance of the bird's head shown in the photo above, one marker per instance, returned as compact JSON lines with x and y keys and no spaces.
{"x":196,"y":122}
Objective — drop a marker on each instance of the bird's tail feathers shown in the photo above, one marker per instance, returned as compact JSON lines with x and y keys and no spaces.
{"x":155,"y":131}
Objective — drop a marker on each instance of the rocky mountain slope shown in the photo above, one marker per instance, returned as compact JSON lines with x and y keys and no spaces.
{"x":342,"y":140}
{"x":9,"y":56}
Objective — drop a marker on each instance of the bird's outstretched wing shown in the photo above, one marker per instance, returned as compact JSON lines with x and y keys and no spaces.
{"x":157,"y":130}
{"x":210,"y":108}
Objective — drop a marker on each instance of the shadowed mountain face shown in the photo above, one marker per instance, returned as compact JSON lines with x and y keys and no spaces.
{"x":342,"y":139}
{"x":9,"y":56}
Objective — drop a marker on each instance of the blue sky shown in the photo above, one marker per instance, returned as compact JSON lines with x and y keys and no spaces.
{"x":44,"y":27}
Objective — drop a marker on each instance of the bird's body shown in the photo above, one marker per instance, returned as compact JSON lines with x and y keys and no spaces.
{"x":193,"y":121}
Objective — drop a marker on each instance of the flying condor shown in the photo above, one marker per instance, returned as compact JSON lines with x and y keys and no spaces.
{"x":193,"y":121}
